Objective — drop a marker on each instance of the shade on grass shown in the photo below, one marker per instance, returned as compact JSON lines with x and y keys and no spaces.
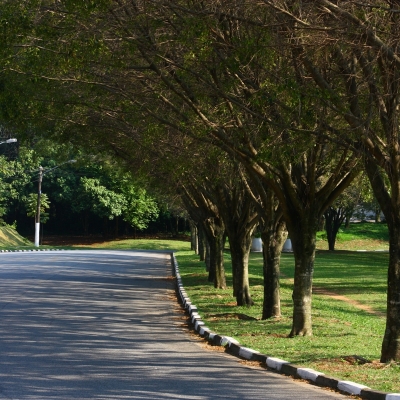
{"x":341,"y":329}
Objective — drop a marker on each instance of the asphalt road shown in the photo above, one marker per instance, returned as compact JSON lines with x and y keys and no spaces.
{"x":105,"y":325}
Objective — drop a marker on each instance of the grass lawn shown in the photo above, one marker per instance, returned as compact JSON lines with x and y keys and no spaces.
{"x":365,"y":235}
{"x":341,"y":329}
{"x":10,"y":237}
{"x":349,"y":302}
{"x":142,"y":244}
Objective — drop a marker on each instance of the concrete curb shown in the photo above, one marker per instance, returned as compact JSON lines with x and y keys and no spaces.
{"x":28,"y":250}
{"x":284,"y":367}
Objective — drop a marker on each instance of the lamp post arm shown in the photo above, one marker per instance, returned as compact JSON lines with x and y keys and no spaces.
{"x":57,"y":166}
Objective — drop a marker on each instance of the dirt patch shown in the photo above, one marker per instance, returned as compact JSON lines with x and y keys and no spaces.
{"x":360,"y":306}
{"x":356,"y":360}
{"x":347,"y":363}
{"x":333,"y":295}
{"x":72,"y":240}
{"x":252,"y":364}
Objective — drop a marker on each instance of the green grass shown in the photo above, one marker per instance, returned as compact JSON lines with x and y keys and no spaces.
{"x":140,"y":244}
{"x":340,"y":329}
{"x":9,"y":237}
{"x":366,"y":235}
{"x":363,"y":230}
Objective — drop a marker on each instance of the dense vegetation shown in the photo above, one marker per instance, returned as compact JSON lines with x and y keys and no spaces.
{"x":87,"y":197}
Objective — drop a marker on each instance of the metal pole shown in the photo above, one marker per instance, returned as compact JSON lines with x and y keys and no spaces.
{"x":37,"y":219}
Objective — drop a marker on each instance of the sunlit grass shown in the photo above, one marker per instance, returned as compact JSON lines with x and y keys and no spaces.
{"x":340,"y":329}
{"x":362,"y":235}
{"x":140,"y":244}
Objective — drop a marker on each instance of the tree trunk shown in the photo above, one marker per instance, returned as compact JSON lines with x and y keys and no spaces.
{"x":216,"y":273}
{"x":273,"y":241}
{"x":273,"y":234}
{"x":321,"y":225}
{"x":237,"y":209}
{"x":303,"y":243}
{"x":240,"y":250}
{"x":377,"y":214}
{"x":391,"y":340}
{"x":334,"y":218}
{"x":202,"y":243}
{"x":390,"y":206}
{"x":207,"y":256}
{"x":194,"y":238}
{"x":215,"y":232}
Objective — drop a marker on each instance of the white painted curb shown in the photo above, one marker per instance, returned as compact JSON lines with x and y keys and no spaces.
{"x":247,"y":353}
{"x":227,"y":340}
{"x":276,"y":363}
{"x":351,"y":387}
{"x":309,"y":374}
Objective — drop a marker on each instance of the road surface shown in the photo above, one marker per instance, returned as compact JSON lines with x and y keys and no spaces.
{"x":105,"y":325}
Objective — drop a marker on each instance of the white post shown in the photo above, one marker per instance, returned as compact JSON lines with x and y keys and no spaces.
{"x":37,"y":232}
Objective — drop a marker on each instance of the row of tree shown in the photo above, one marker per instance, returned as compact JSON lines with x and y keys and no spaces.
{"x":253,"y":112}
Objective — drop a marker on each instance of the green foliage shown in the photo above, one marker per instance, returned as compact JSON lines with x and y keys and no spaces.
{"x":104,"y":202}
{"x":140,"y":208}
{"x":111,"y":193}
{"x":98,"y":187}
{"x":31,"y":206}
{"x":16,"y":179}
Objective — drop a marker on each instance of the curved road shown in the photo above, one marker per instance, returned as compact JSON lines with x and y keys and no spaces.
{"x":104,"y":325}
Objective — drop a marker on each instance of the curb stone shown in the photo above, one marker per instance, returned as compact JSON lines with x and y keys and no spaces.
{"x":26,"y":250}
{"x":284,"y":367}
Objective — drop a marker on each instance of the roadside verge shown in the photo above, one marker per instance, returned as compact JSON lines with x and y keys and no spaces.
{"x":233,"y":347}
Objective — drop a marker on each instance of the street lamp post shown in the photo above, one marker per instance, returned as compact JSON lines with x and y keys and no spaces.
{"x":37,"y":218}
